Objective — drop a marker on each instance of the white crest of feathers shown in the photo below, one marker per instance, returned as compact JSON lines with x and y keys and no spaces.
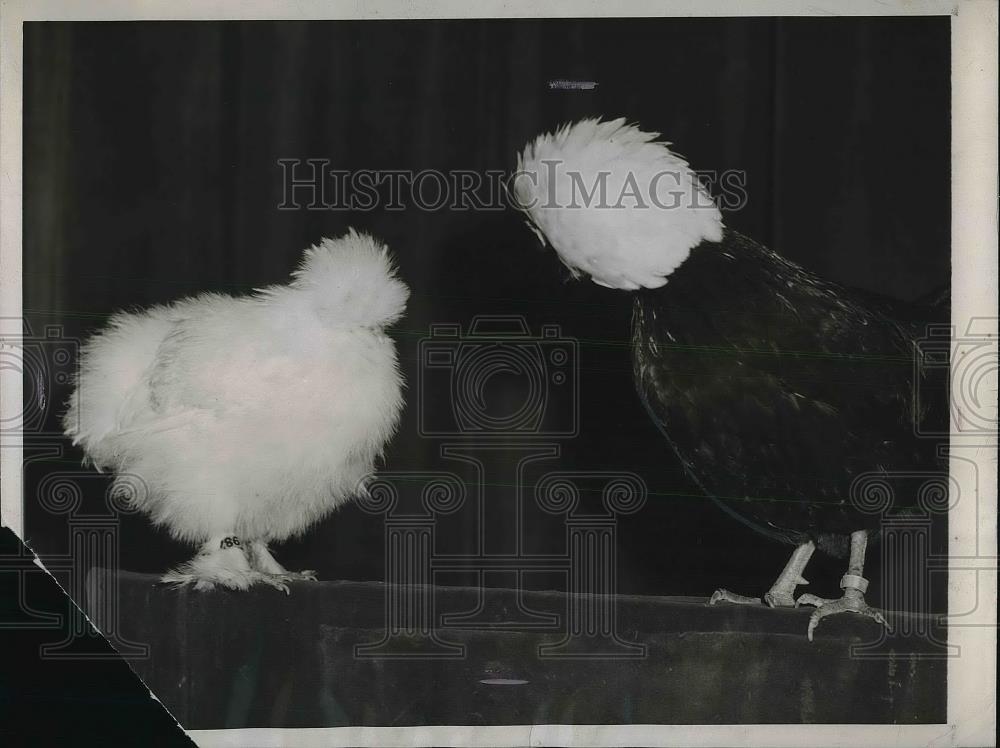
{"x":351,"y":280}
{"x":614,"y":202}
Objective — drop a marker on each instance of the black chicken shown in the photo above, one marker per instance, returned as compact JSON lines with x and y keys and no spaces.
{"x":775,"y":388}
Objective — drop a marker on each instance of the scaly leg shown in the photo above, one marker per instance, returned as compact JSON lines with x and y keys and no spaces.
{"x":222,"y":561}
{"x":852,"y":583}
{"x":262,"y":560}
{"x":782,"y":592}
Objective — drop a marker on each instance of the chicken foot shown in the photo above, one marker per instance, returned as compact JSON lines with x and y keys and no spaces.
{"x":782,"y":592}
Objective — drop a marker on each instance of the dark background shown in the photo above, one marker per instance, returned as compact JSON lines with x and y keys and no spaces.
{"x":151,"y":172}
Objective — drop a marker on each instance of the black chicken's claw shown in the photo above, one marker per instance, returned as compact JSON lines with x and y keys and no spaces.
{"x":722,"y":595}
{"x":814,"y":600}
{"x":845,"y":604}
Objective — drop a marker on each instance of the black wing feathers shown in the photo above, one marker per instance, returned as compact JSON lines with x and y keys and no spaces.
{"x":775,"y":387}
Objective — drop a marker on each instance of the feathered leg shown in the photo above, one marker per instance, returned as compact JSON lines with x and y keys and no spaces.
{"x":223,"y":561}
{"x":854,"y":585}
{"x":782,"y":592}
{"x":262,"y":560}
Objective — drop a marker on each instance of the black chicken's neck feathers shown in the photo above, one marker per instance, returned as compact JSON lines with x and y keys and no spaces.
{"x":738,"y":269}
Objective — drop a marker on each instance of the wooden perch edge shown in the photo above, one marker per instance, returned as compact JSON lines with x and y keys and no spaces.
{"x":324,"y":656}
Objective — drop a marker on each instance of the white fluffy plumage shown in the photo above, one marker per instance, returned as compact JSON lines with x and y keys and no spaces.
{"x":249,"y":416}
{"x":614,"y":202}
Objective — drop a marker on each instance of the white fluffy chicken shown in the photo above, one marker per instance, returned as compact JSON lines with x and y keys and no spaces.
{"x":249,"y":418}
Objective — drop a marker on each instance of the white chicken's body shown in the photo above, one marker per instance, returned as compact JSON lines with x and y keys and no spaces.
{"x":249,"y":417}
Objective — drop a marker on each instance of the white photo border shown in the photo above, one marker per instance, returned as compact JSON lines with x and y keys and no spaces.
{"x":973,"y":547}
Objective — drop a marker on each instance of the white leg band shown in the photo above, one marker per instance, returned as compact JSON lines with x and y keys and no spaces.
{"x":855,"y":582}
